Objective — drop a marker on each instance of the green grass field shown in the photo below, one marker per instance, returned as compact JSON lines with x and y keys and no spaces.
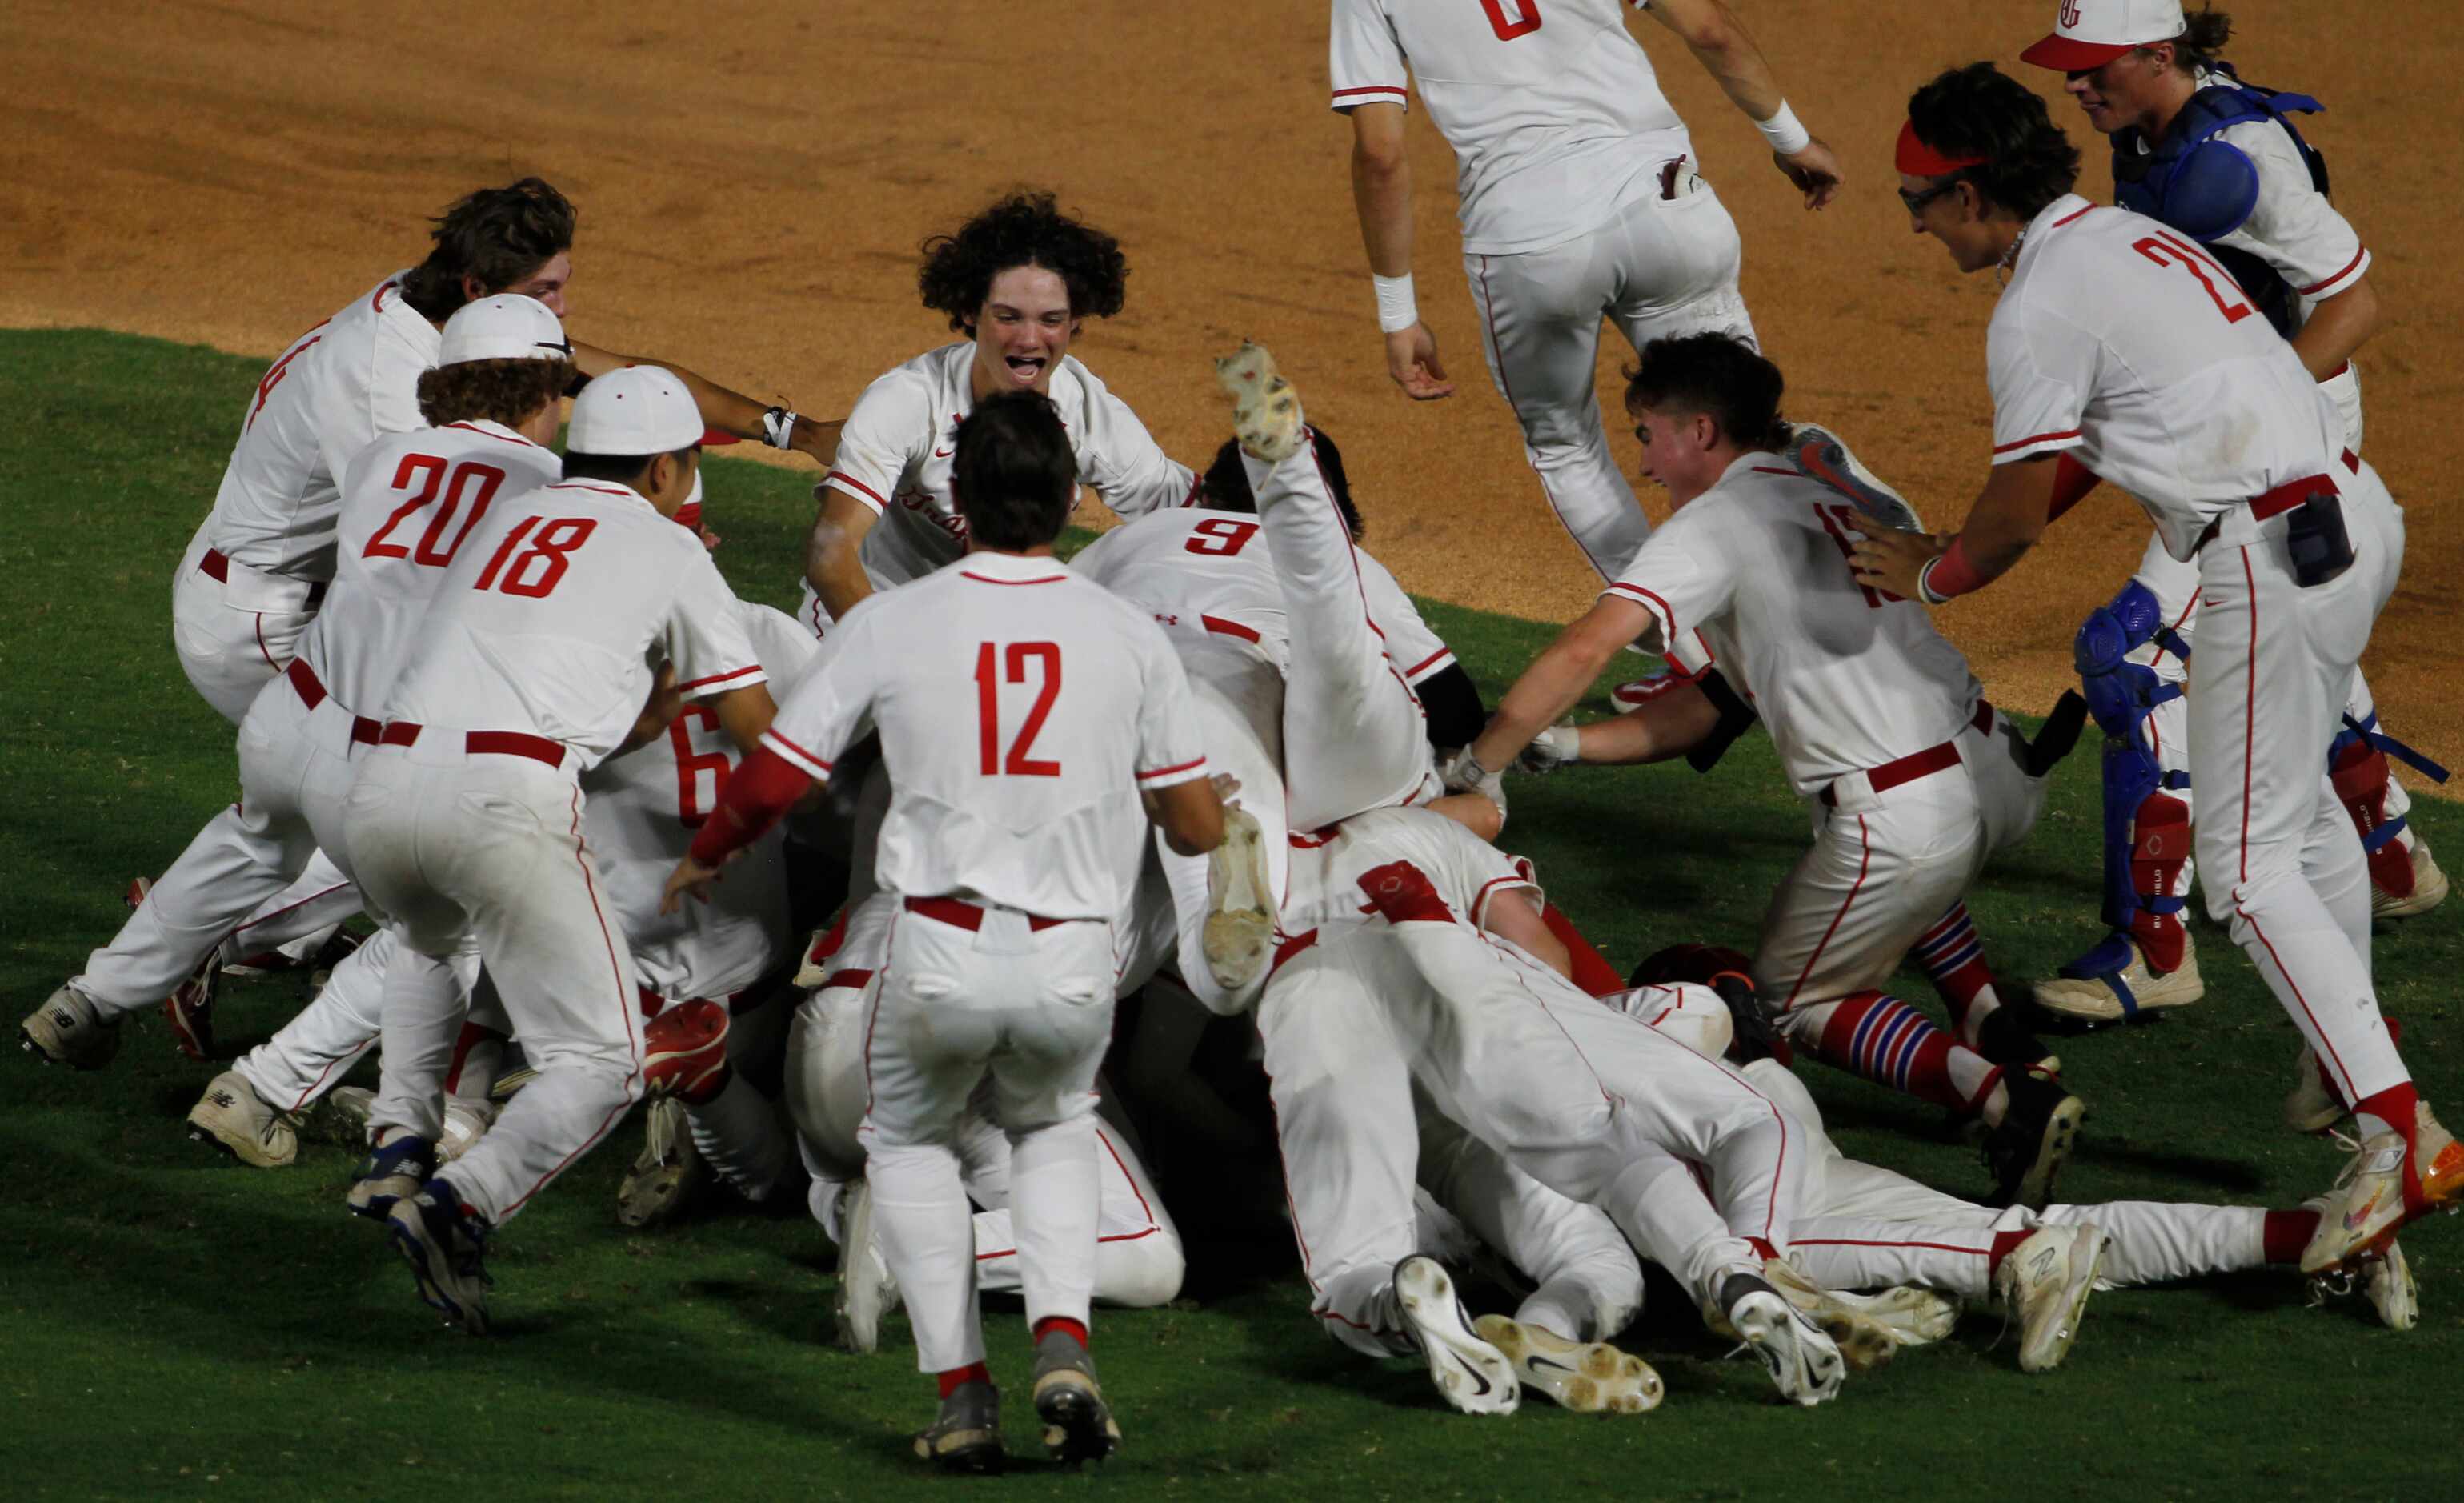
{"x":172,"y":1324}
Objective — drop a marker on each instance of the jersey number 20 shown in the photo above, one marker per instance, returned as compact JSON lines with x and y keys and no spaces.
{"x":1018,"y":764}
{"x":470,"y":482}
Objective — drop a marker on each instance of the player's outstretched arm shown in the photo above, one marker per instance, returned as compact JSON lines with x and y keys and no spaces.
{"x":2006,"y":521}
{"x":832,"y":563}
{"x":1667,"y":725}
{"x":1556,"y":680}
{"x":728,"y":411}
{"x":1511,"y":915}
{"x":1721,"y":43}
{"x":1382,"y":193}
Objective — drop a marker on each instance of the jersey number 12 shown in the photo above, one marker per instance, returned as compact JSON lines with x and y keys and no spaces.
{"x":1018,"y":764}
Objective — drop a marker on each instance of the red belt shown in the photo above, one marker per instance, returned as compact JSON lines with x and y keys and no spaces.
{"x":1918,"y":765}
{"x":216,"y":566}
{"x":1232,"y":628}
{"x":2284,"y":498}
{"x":312,"y":693}
{"x":496,"y":743}
{"x":968,"y":917}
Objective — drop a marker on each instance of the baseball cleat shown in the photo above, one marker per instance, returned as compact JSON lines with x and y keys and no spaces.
{"x":1819,"y":455}
{"x":2044,"y":1282}
{"x":2312,"y":1105}
{"x":815,"y":967}
{"x":2095,"y":998}
{"x":2429,"y":887}
{"x":2004,"y":1040}
{"x":1473,"y":1376}
{"x":1589,"y":1376}
{"x":445,"y":1246}
{"x":2385,"y":1183}
{"x":1078,"y":1426}
{"x":965,"y":1436}
{"x":684,"y":1051}
{"x":1265,"y":410}
{"x":1866,"y":1341}
{"x":1803,"y":1363}
{"x":2388,"y":1286}
{"x":1240,"y":932}
{"x":868,"y":1291}
{"x":190,"y":1010}
{"x":69,"y":1030}
{"x":2027,"y":1149}
{"x":666,"y":1172}
{"x":505,"y":1087}
{"x":393,"y":1171}
{"x":232,"y":1116}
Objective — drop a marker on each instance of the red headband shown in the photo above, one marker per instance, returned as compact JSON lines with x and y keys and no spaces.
{"x":1919,"y":159}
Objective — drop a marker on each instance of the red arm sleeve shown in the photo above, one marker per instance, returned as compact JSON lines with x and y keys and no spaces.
{"x":2072,"y":481}
{"x":766,"y":786}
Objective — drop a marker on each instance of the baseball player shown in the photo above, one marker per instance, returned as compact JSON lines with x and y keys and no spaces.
{"x":1912,"y":778}
{"x":2123,"y":340}
{"x":537,"y":661}
{"x":1018,"y":281}
{"x":398,"y":519}
{"x":2223,"y":164}
{"x":1026,"y":713}
{"x":1867,"y":1226}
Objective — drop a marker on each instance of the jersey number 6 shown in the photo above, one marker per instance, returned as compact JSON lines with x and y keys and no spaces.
{"x":1018,"y":764}
{"x":1525,"y":19}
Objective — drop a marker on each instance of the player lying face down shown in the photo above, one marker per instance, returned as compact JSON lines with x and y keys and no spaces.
{"x":1017,"y":279}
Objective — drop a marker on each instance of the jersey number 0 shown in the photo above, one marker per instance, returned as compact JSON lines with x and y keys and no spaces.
{"x":1047,"y":655}
{"x":1525,"y":20}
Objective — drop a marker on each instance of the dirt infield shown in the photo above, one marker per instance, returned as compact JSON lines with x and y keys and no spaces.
{"x":753,"y":183}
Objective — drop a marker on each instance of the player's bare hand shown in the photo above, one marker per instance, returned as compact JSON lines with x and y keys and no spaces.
{"x":1890,"y":560}
{"x":1815,"y":171}
{"x":689,"y":876}
{"x":1411,"y":360}
{"x":1228,"y":789}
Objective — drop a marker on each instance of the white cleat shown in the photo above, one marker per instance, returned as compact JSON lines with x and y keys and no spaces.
{"x":2391,"y":1291}
{"x":868,"y":1291}
{"x":1821,"y":454}
{"x":2310,"y":1107}
{"x":347,"y":1109}
{"x":232,"y":1116}
{"x":1265,"y":410}
{"x":1853,"y":1322}
{"x":2091,"y":1000}
{"x":2429,"y":887}
{"x":1804,"y":1363}
{"x":666,"y":1172}
{"x":1589,"y":1377}
{"x":2044,"y":1282}
{"x":2383,"y":1186}
{"x":67,"y":1030}
{"x":1240,"y":934}
{"x":1473,"y":1376}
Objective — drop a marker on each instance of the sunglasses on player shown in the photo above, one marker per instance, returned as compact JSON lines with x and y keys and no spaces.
{"x":1916,"y":201}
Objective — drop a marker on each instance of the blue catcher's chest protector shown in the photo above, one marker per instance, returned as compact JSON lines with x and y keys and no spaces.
{"x":2207,"y":186}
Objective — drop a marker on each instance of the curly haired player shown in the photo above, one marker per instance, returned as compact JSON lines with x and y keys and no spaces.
{"x":1019,"y":280}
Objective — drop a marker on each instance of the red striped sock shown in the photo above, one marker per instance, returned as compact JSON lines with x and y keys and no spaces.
{"x":2004,"y":1242}
{"x":972,"y":1373}
{"x":1954,"y":959}
{"x":1885,"y":1040}
{"x":2284,"y":1234}
{"x":1075,"y":1330}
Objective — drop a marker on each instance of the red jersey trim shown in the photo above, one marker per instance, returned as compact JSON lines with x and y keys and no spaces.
{"x":1649,"y":602}
{"x":473,"y":428}
{"x":806,"y":762}
{"x":1194,"y":763}
{"x":2039,"y":438}
{"x":1232,"y":628}
{"x":856,"y":487}
{"x":1396,"y":89}
{"x":2075,"y":214}
{"x":718,"y":678}
{"x":986,"y":579}
{"x":1440,"y":656}
{"x":376,"y":303}
{"x":2315,"y":288}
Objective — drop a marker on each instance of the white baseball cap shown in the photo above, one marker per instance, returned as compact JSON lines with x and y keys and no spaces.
{"x":640,"y":410}
{"x":507,"y":326}
{"x":2089,"y":34}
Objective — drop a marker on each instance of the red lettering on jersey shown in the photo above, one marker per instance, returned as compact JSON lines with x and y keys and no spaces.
{"x":1221,"y":536}
{"x":1839,"y":522}
{"x":1018,"y":763}
{"x":467,"y":476}
{"x":692,"y":808}
{"x":275,"y":377}
{"x":2166,"y":250}
{"x":1525,"y":21}
{"x":551,"y":550}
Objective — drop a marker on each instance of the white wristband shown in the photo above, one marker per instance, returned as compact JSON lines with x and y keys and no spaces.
{"x":1785,"y":135}
{"x":1925,"y":583}
{"x":1397,"y":309}
{"x":777,"y":427}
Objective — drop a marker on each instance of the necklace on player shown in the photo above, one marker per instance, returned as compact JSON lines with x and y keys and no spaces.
{"x":2011,"y":257}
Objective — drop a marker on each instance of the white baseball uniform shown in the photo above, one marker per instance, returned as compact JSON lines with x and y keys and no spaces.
{"x":1579,"y":199}
{"x":1024,"y":709}
{"x":1573,"y":1095}
{"x":535,"y":660}
{"x":2123,"y":340}
{"x":1877,"y":722}
{"x":897,"y":449}
{"x":2294,"y":229}
{"x":1326,"y":706}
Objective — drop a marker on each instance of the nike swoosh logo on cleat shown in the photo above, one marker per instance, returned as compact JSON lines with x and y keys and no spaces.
{"x":1538,"y":1361}
{"x":1476,"y":1376}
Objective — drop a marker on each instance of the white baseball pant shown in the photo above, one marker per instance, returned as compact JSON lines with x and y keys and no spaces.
{"x":2285,"y":865}
{"x":1032,"y":1008}
{"x":1354,"y":734}
{"x":464,"y":849}
{"x":1666,"y":267}
{"x":233,"y":634}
